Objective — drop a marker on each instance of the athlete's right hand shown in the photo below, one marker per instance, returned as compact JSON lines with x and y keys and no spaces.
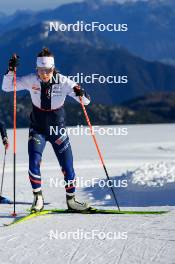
{"x":13,"y":62}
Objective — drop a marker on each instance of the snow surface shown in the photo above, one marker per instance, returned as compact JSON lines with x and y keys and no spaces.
{"x":144,"y":159}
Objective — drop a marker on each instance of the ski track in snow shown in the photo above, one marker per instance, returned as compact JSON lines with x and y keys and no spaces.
{"x":150,"y":238}
{"x":153,"y":236}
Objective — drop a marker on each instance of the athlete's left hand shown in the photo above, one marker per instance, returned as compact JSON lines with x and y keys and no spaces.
{"x":78,"y":91}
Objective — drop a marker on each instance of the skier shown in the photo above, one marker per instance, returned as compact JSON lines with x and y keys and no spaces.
{"x":4,"y":135}
{"x":48,"y":96}
{"x":4,"y":200}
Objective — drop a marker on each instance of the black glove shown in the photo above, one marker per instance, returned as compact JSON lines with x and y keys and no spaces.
{"x":13,"y":63}
{"x":5,"y":142}
{"x":79,"y":91}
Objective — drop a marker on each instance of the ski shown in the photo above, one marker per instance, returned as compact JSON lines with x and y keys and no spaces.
{"x":104,"y":211}
{"x":90,"y":211}
{"x":28,"y":217}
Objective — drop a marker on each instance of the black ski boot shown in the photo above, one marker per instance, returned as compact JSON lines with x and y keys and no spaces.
{"x":38,"y":202}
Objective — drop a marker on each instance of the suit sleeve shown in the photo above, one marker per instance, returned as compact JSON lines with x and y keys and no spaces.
{"x":22,"y":83}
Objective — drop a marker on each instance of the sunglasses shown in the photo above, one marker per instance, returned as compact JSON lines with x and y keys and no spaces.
{"x":44,"y":70}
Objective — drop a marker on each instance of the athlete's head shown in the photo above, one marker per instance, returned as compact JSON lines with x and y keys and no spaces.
{"x":45,"y":65}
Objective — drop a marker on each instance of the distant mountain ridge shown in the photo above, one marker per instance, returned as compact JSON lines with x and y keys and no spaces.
{"x":151,"y":109}
{"x":88,"y":54}
{"x":151,"y":23}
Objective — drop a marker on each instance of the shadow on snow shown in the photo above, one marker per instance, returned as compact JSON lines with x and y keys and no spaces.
{"x":133,"y":195}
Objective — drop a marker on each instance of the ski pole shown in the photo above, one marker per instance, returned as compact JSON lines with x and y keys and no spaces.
{"x":2,"y":179}
{"x":98,"y":150}
{"x":14,"y":146}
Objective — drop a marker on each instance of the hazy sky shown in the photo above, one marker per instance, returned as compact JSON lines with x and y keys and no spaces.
{"x":10,"y":6}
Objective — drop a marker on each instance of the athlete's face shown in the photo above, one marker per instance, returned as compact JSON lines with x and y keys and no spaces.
{"x":45,"y":74}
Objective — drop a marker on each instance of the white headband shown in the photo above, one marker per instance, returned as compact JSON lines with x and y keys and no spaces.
{"x":45,"y":62}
